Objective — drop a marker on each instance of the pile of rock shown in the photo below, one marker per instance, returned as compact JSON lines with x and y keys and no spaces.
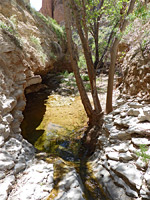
{"x":116,"y":164}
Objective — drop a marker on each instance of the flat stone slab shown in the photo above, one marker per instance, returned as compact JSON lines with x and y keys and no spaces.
{"x":126,"y":122}
{"x":113,"y":155}
{"x":125,"y":156}
{"x":139,"y":128}
{"x":133,"y":112}
{"x":129,"y":173}
{"x":144,"y":114}
{"x":122,"y":147}
{"x":139,"y":141}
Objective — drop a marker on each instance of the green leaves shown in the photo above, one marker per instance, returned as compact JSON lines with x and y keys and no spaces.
{"x":145,"y":157}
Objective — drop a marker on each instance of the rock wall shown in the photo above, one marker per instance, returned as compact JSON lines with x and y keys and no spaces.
{"x":47,"y":8}
{"x":54,"y":9}
{"x":119,"y":163}
{"x":26,"y":54}
{"x":116,"y":164}
{"x":136,"y":62}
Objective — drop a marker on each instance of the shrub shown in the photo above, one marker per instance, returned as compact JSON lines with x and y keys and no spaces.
{"x":145,"y":157}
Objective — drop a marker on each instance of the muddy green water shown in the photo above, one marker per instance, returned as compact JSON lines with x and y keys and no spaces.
{"x":54,"y":124}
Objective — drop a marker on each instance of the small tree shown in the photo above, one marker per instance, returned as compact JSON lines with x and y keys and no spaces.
{"x":86,"y":15}
{"x":122,"y":24}
{"x":96,"y":113}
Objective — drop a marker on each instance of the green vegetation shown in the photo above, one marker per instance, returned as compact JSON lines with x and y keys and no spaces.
{"x":11,"y":26}
{"x":51,"y":23}
{"x":143,"y":149}
{"x":11,"y":30}
{"x":36,"y":43}
{"x":6,"y":27}
{"x":53,"y":56}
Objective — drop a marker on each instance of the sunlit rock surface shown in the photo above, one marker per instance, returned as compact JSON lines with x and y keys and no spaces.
{"x":119,"y":161}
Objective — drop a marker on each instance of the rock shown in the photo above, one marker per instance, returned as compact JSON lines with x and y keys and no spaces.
{"x":125,"y":156}
{"x":133,"y":112}
{"x":113,"y":155}
{"x":54,"y":9}
{"x":6,"y":165}
{"x":6,"y":186}
{"x":140,"y":128}
{"x":2,"y":128}
{"x":9,"y":104}
{"x":75,"y":194}
{"x":8,"y":118}
{"x":113,"y":164}
{"x":2,"y":175}
{"x":144,"y":114}
{"x":120,"y":102}
{"x":130,"y":173}
{"x":34,"y":182}
{"x":1,"y":141}
{"x":6,"y":161}
{"x":14,"y":147}
{"x":140,"y":163}
{"x":19,"y":167}
{"x":130,"y":192}
{"x":114,"y":192}
{"x":135,"y":105}
{"x":33,"y":80}
{"x":3,"y":194}
{"x":120,"y":135}
{"x":126,"y":122}
{"x":122,"y":147}
{"x":139,"y":141}
{"x":28,"y":151}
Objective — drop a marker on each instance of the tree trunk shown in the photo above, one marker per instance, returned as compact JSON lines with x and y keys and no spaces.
{"x":94,"y":115}
{"x":83,"y":94}
{"x":88,"y":57}
{"x":113,"y":53}
{"x":114,"y":48}
{"x":96,"y":45}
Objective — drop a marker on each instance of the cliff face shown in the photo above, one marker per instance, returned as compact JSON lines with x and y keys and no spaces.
{"x":54,"y":9}
{"x":136,"y":62}
{"x":47,"y":8}
{"x":29,"y":49}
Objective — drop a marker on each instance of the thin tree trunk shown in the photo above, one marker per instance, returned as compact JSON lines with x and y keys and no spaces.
{"x":88,"y":57}
{"x":109,"y":107}
{"x":83,"y":94}
{"x":114,"y":49}
{"x":106,"y":48}
{"x":96,"y":45}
